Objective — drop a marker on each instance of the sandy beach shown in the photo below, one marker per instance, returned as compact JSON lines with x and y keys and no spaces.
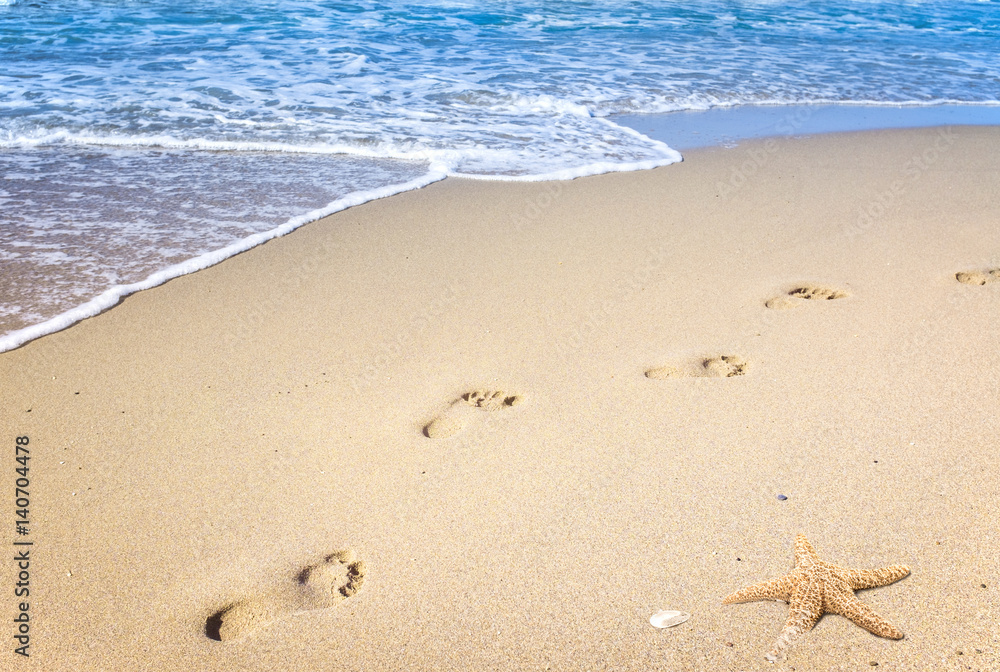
{"x":497,"y":426}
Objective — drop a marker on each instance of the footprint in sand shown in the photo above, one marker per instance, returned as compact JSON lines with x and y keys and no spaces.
{"x":798,"y":296}
{"x":455,"y":416}
{"x":978,"y":277}
{"x":724,"y":366}
{"x":337,"y":577}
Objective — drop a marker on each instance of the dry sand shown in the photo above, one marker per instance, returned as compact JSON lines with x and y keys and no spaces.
{"x":218,"y":441}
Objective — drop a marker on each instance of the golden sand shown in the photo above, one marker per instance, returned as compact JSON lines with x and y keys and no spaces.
{"x":219,"y":440}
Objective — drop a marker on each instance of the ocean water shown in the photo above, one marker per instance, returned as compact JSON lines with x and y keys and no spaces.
{"x":143,"y":139}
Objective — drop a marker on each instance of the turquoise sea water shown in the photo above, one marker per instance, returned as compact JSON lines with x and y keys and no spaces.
{"x":142,"y":140}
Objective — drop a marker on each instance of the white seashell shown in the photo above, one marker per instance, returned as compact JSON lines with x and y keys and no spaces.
{"x":668,"y":619}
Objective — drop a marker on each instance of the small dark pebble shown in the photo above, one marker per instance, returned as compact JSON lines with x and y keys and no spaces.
{"x":738,"y":560}
{"x":876,"y":461}
{"x":873,"y":664}
{"x":729,"y":643}
{"x":782,"y":498}
{"x":982,"y":585}
{"x":961,"y":653}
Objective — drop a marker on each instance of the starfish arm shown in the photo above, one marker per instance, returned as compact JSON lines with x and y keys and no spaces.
{"x":849,"y":606}
{"x":805,"y":609}
{"x":804,"y":552}
{"x":775,"y":589}
{"x":872,"y":578}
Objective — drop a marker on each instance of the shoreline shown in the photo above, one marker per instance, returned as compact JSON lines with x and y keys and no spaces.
{"x":216,"y":445}
{"x":685,"y":130}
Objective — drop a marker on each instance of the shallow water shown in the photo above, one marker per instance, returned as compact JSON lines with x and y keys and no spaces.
{"x":727,"y":126}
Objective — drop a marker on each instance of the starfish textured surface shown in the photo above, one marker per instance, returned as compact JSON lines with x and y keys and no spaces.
{"x":814,"y":588}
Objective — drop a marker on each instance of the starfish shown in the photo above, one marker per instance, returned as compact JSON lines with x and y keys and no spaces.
{"x":814,"y":588}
